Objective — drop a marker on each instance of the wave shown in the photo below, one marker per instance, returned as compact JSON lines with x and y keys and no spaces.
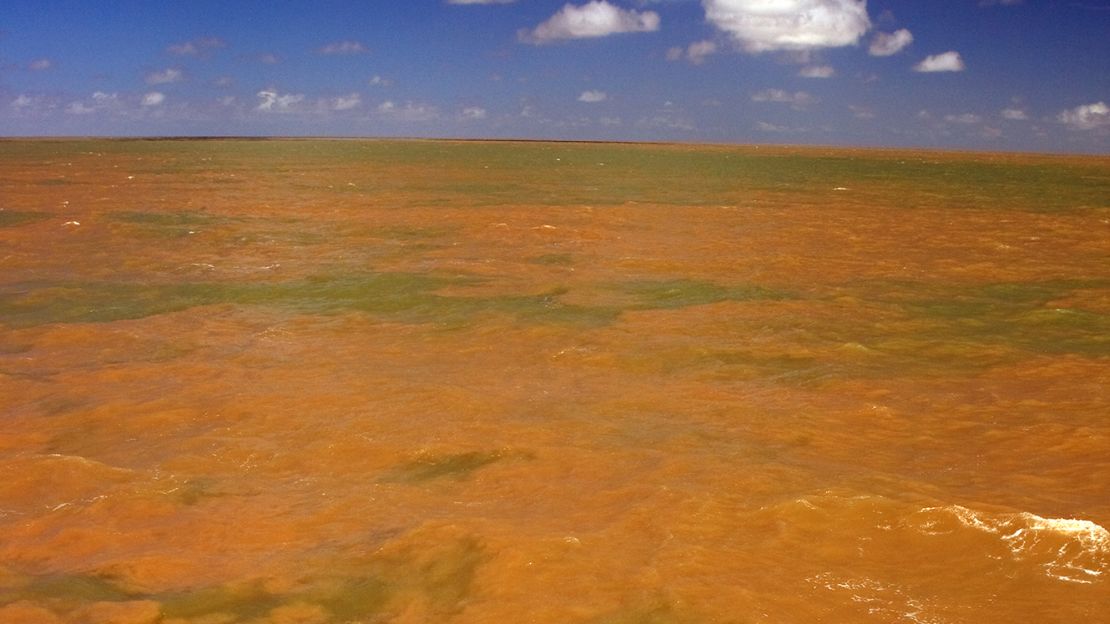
{"x":1067,"y":549}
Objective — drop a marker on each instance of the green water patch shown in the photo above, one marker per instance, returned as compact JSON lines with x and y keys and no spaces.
{"x":452,"y":466}
{"x":438,"y":576}
{"x":63,"y":591}
{"x":681,"y":293}
{"x":557,"y":259}
{"x":403,"y":297}
{"x":978,"y":326}
{"x":649,"y":611}
{"x":13,"y":218}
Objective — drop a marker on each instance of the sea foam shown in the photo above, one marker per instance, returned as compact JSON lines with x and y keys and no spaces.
{"x":1068,"y":549}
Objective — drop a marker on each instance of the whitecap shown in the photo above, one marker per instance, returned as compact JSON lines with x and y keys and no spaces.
{"x":1067,"y":549}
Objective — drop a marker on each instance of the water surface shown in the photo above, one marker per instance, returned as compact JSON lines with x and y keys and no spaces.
{"x":357,"y":381}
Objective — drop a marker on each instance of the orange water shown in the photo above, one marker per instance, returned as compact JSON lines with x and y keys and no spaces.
{"x":311,"y":381}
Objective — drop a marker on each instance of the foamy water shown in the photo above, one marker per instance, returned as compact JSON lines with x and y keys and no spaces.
{"x":330,"y":382}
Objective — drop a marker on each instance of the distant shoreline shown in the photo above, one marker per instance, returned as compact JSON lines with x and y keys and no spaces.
{"x":771,"y":147}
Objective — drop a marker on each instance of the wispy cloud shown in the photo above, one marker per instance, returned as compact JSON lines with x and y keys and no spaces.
{"x":963,"y":118}
{"x":817,"y":71}
{"x":154,"y":98}
{"x":596,"y":18}
{"x":165,"y":76}
{"x":762,"y":26}
{"x":695,"y":53}
{"x":410,"y":111}
{"x":270,"y":101}
{"x":889,"y":44}
{"x":946,"y":62}
{"x":797,"y":99}
{"x":268,"y":58}
{"x":474,"y":113}
{"x":592,"y":97}
{"x":41,"y":64}
{"x":1086,"y":117}
{"x":378,"y":81}
{"x":1015,"y":114}
{"x":196,"y":47}
{"x":343,"y":48}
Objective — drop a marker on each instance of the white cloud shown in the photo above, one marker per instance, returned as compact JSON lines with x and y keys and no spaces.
{"x":592,"y":97}
{"x":474,"y":113}
{"x":861,"y":112}
{"x":346,"y":102}
{"x":817,"y":71}
{"x":23,"y":101}
{"x":766,"y":25}
{"x":1086,"y":117}
{"x":165,"y":76}
{"x":79,"y":108}
{"x":1014,"y":114}
{"x":889,"y":44}
{"x":196,"y":47}
{"x":798,"y":99}
{"x":154,"y":98}
{"x":695,"y":53}
{"x":40,"y":64}
{"x":340,"y":48}
{"x":409,"y":112}
{"x":272,"y":101}
{"x":378,"y":81}
{"x":946,"y":62}
{"x":596,"y":18}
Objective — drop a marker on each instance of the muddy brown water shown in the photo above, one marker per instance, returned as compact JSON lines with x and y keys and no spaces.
{"x":378,"y":381}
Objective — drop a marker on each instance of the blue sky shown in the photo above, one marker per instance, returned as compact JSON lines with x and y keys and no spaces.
{"x":1028,"y":75}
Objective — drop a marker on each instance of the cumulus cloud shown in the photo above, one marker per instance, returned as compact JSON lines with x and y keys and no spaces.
{"x":343,"y":48}
{"x":270,"y":101}
{"x":592,"y":97}
{"x":40,"y":64}
{"x":154,"y":98}
{"x":1086,"y":117}
{"x":768,"y":25}
{"x":165,"y":76}
{"x":99,"y":101}
{"x":345,"y":102}
{"x":889,"y":44}
{"x":1014,"y":114}
{"x":817,"y":71}
{"x":596,"y":18}
{"x":798,"y":99}
{"x":695,"y":53}
{"x":946,"y":62}
{"x":196,"y":47}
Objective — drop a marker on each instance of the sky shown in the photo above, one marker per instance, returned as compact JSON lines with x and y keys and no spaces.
{"x":1006,"y":75}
